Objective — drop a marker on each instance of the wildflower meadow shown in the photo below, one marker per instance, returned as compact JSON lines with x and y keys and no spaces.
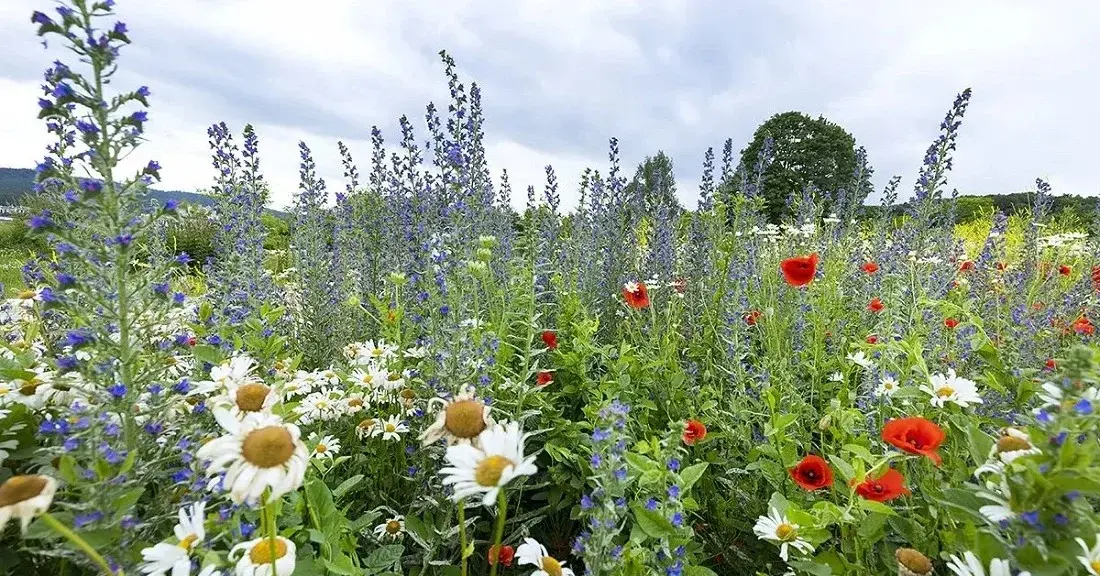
{"x":429,"y":382}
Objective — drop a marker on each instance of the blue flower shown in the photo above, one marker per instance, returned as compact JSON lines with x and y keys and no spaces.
{"x":87,"y":127}
{"x":49,"y":427}
{"x":1083,"y":407}
{"x":674,"y":491}
{"x":247,"y":529}
{"x":620,"y":474}
{"x":600,"y":435}
{"x":67,"y":363}
{"x":83,"y":520}
{"x":1031,"y":518}
{"x":674,"y":464}
{"x":586,"y":502}
{"x":651,"y":504}
{"x":143,"y":92}
{"x":71,"y":444}
{"x":677,"y":519}
{"x":118,"y":390}
{"x":596,"y":461}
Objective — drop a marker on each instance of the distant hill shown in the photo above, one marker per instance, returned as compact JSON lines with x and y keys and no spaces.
{"x":15,"y":182}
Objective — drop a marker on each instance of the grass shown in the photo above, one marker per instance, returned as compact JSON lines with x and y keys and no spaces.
{"x":10,"y":276}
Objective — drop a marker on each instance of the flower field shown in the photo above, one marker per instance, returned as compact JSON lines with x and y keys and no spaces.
{"x":429,"y":383}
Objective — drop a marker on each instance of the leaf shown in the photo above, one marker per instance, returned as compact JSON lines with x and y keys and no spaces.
{"x":342,"y":564}
{"x":811,"y":567}
{"x":653,"y":523}
{"x":879,"y":507}
{"x":128,"y":498}
{"x":698,"y":571}
{"x":383,"y":558}
{"x":691,"y":475}
{"x":843,"y":466}
{"x":346,"y":485}
{"x":206,"y":353}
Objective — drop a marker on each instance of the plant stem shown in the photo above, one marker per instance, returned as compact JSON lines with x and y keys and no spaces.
{"x":79,"y":542}
{"x":272,"y":533}
{"x":498,"y":532}
{"x":462,"y":534}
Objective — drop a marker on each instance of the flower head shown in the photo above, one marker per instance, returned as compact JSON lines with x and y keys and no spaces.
{"x":258,"y":453}
{"x":24,"y":497}
{"x":636,"y":295}
{"x":884,"y":488}
{"x":775,"y":527}
{"x":459,"y":420}
{"x":694,"y":431}
{"x":256,"y":557}
{"x":812,"y":473}
{"x":799,"y":270}
{"x":535,"y":554}
{"x":486,"y":469}
{"x":915,"y":435}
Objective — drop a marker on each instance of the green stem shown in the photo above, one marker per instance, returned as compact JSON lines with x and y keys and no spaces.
{"x":272,"y":533}
{"x":77,"y":541}
{"x":498,"y":533}
{"x":462,"y":534}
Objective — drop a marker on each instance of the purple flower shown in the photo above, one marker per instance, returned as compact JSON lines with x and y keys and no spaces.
{"x":40,"y":18}
{"x":83,"y":520}
{"x":674,"y":464}
{"x":86,"y":127}
{"x":1083,"y":407}
{"x":118,"y":390}
{"x":120,"y":28}
{"x":651,"y":504}
{"x":143,"y":92}
{"x":40,"y":221}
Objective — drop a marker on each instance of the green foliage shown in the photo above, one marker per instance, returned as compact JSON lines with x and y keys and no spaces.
{"x":807,"y":152}
{"x":658,"y":182}
{"x":195,"y":236}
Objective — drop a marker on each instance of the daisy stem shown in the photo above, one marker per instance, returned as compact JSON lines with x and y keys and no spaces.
{"x":498,"y":533}
{"x":272,"y":533}
{"x":79,"y":542}
{"x":462,"y":533}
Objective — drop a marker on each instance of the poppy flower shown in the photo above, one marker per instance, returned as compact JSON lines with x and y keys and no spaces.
{"x":870,"y":267}
{"x":799,"y":270}
{"x":752,"y":317}
{"x":812,"y":473}
{"x":550,"y":338}
{"x":884,"y":488}
{"x":1096,"y":278}
{"x":872,"y":339}
{"x":875,"y":305}
{"x":951,"y":323}
{"x":545,"y":377}
{"x":1065,"y":270}
{"x":694,"y":431}
{"x":1051,"y":364}
{"x":636,"y":295}
{"x":966,"y":266}
{"x":504,"y":553}
{"x":915,"y":435}
{"x":1083,"y":326}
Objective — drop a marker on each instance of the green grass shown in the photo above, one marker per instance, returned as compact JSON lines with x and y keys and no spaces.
{"x":10,"y":276}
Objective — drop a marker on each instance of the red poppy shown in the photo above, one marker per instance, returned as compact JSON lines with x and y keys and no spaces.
{"x":1096,"y":278}
{"x":545,"y":377}
{"x":1065,"y":270}
{"x":872,"y":339}
{"x":1001,"y":266}
{"x":636,"y":295}
{"x":1083,"y":326}
{"x":915,"y":435}
{"x":875,"y":305}
{"x":966,"y":266}
{"x":1051,"y":364}
{"x":870,"y":267}
{"x":884,"y":488}
{"x":506,"y":554}
{"x":191,"y":341}
{"x":694,"y":431}
{"x":752,"y":317}
{"x":550,"y":338}
{"x":951,"y":323}
{"x":812,"y":473}
{"x":799,"y":270}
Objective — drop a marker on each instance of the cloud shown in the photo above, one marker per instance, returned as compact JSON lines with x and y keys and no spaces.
{"x":560,"y":78}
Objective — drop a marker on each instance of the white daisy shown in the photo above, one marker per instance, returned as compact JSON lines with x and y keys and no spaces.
{"x":487,"y":469}
{"x":459,"y":420}
{"x":233,"y":372}
{"x":887,"y":385}
{"x":165,"y":557}
{"x":319,"y":406}
{"x":258,"y":453}
{"x":330,"y":377}
{"x":391,"y":429}
{"x":302,"y":384}
{"x":256,"y":556}
{"x":369,"y":378}
{"x":394,"y":528}
{"x":326,"y":448}
{"x":776,"y":528}
{"x":34,"y":391}
{"x":836,"y":377}
{"x":249,"y":398}
{"x":998,"y":512}
{"x":535,"y":554}
{"x":379,"y":350}
{"x":416,"y":352}
{"x":860,"y":359}
{"x":952,"y":388}
{"x":1091,"y":559}
{"x":354,"y":403}
{"x":24,"y":497}
{"x":970,"y":565}
{"x":1013,"y":444}
{"x":365,"y":428}
{"x":395,"y":380}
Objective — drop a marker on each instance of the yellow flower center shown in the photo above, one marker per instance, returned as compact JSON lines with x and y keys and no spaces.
{"x":390,"y":427}
{"x":465,"y":418}
{"x":914,"y":561}
{"x":321,"y":449}
{"x":490,"y":470}
{"x":27,"y":294}
{"x":367,"y":379}
{"x":1095,"y":565}
{"x":786,"y":531}
{"x":377,"y":352}
{"x":408,"y":394}
{"x":945,"y":391}
{"x":551,"y":566}
{"x":171,"y":361}
{"x":366,"y":424}
{"x":20,"y":488}
{"x":355,"y":402}
{"x":268,"y":447}
{"x":394,"y":376}
{"x":29,"y":387}
{"x":250,"y":397}
{"x":261,"y":553}
{"x":322,"y":404}
{"x":188,"y":542}
{"x":1009,"y":443}
{"x":393,"y":527}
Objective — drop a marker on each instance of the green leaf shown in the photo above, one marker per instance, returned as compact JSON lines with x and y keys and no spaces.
{"x":128,"y":498}
{"x":652,"y":522}
{"x":346,"y":485}
{"x":843,"y":466}
{"x":811,"y":567}
{"x":691,"y":475}
{"x":66,"y":466}
{"x":342,"y":564}
{"x":872,"y":506}
{"x":383,"y":558}
{"x":207,"y":353}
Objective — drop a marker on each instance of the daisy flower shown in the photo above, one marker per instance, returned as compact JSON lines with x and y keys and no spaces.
{"x":366,"y":427}
{"x":1091,"y":559}
{"x":459,"y":421}
{"x":24,"y":497}
{"x":970,"y":565}
{"x":318,"y":407}
{"x":535,"y":554}
{"x":1013,"y":444}
{"x":165,"y":557}
{"x":258,"y":453}
{"x":912,"y":563}
{"x":326,"y":448}
{"x":245,"y":399}
{"x":34,"y":391}
{"x":416,"y":353}
{"x":354,"y":403}
{"x":487,"y":469}
{"x":952,"y":388}
{"x":391,"y":429}
{"x":836,"y":377}
{"x":860,"y":359}
{"x":379,"y":350}
{"x":776,"y":528}
{"x":256,"y":556}
{"x":233,"y":372}
{"x":887,"y":385}
{"x":369,"y":378}
{"x":395,"y":380}
{"x":394,"y":528}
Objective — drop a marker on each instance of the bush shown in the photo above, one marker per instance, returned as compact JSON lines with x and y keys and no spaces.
{"x":195,"y":236}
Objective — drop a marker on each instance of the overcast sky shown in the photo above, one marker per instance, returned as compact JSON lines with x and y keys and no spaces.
{"x":560,"y":77}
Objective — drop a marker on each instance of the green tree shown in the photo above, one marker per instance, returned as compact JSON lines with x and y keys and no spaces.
{"x":657,"y":182}
{"x":805,"y":152}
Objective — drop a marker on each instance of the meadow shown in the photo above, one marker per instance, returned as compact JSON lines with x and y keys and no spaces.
{"x":426,"y":382}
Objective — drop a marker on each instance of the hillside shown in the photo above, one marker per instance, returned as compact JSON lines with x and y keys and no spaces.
{"x":15,"y":182}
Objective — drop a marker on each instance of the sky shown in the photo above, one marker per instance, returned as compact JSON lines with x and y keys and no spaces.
{"x":559,"y":78}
